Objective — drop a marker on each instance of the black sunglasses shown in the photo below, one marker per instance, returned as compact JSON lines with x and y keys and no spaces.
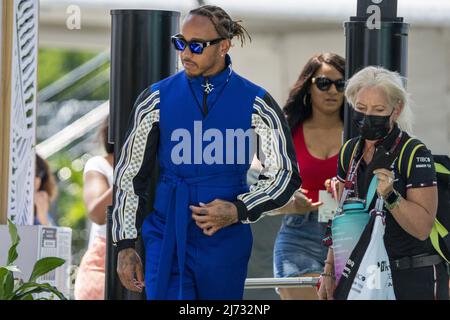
{"x":324,"y":83}
{"x":196,"y":47}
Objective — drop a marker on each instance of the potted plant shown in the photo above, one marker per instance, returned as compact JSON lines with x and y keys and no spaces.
{"x":17,"y":289}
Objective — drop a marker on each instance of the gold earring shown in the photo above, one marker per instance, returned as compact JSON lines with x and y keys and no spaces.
{"x":304,"y":99}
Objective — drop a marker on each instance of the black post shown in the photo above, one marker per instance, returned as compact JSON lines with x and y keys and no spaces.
{"x":141,"y":54}
{"x":368,"y":44}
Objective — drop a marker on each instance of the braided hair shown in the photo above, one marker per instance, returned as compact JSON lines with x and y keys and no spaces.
{"x":225,"y":26}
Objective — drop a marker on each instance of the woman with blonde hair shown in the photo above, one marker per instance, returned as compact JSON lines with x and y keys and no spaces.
{"x":406,"y":183}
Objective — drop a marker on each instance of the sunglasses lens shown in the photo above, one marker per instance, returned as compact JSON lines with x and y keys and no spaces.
{"x":323,"y":83}
{"x":196,"y":47}
{"x":179,"y":44}
{"x":340,"y":85}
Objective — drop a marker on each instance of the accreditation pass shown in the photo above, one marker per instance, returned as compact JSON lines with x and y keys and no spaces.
{"x":328,"y":209}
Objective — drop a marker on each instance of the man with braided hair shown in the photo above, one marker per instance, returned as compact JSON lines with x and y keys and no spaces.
{"x":198,"y":239}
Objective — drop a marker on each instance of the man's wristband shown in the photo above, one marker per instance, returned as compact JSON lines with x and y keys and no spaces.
{"x":125,"y":244}
{"x":241,"y":210}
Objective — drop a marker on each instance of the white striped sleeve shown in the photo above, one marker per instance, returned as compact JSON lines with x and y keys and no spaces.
{"x":280,"y":177}
{"x":133,"y":169}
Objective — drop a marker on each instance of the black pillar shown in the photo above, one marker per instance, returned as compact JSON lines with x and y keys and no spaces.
{"x":141,"y":54}
{"x":367,"y":44}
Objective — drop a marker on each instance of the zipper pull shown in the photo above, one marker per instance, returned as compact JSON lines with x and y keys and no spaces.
{"x":208,"y":88}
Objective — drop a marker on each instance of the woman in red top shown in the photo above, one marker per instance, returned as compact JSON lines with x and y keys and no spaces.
{"x":315,"y":112}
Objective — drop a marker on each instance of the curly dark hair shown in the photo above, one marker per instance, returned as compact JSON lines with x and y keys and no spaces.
{"x":225,"y":26}
{"x":48,"y":181}
{"x":298,"y":107}
{"x":103,"y":135}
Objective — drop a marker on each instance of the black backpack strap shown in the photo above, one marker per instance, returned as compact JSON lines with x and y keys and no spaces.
{"x":442,"y":166}
{"x":439,"y":236}
{"x":406,"y":156}
{"x":348,"y":151}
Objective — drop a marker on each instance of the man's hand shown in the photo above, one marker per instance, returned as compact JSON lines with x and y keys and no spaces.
{"x":214,"y":216}
{"x":130,"y":270}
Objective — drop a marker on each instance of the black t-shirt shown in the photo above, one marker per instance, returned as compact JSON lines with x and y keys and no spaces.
{"x":422,"y":174}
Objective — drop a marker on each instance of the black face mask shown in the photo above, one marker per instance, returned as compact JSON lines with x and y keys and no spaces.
{"x":372,"y":127}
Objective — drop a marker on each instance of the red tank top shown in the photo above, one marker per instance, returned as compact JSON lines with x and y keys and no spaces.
{"x":313,"y":171}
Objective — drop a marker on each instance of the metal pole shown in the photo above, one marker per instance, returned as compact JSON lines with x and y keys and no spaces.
{"x":268,"y":283}
{"x":141,"y":54}
{"x":366,"y":44}
{"x":73,"y":77}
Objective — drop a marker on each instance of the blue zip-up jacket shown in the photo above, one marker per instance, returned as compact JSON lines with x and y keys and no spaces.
{"x":179,"y":106}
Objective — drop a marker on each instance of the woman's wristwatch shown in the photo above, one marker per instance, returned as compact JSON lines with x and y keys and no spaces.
{"x":392,"y":199}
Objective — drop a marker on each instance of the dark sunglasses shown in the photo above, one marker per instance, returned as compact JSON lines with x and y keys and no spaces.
{"x":324,"y":83}
{"x":196,"y":47}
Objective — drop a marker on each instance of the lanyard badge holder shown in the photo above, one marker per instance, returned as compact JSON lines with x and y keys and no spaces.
{"x":327,"y":210}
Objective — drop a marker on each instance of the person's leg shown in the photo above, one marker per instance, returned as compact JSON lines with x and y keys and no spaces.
{"x":152,"y":236}
{"x":298,"y":252}
{"x":222,"y":283}
{"x":90,"y":281}
{"x":221,"y":263}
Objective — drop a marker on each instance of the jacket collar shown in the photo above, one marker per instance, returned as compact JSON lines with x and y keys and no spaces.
{"x":216,"y":80}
